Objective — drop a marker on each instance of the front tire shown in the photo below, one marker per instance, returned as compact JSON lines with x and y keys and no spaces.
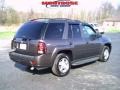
{"x":61,"y":66}
{"x":105,"y":54}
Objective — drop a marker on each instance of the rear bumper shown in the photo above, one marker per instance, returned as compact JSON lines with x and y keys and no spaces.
{"x":35,"y":61}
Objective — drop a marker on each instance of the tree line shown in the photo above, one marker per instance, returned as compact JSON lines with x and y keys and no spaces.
{"x":10,"y":16}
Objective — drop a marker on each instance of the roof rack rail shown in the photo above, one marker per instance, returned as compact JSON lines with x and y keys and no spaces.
{"x":57,"y":19}
{"x":50,"y":19}
{"x":38,"y":18}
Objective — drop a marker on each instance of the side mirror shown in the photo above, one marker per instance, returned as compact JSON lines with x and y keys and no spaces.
{"x":101,"y":32}
{"x":93,"y":36}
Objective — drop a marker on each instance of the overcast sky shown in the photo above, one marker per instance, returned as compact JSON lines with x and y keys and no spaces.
{"x":26,"y":5}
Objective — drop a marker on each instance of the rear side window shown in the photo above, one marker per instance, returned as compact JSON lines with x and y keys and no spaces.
{"x":54,"y":31}
{"x":75,"y":29}
{"x":31,"y":30}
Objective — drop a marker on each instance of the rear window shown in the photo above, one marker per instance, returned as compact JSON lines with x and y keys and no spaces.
{"x":31,"y":30}
{"x":54,"y":31}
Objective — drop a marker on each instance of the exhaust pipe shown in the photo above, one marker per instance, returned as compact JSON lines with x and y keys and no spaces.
{"x":32,"y":68}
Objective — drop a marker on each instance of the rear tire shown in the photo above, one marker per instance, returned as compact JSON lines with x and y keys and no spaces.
{"x":105,"y":54}
{"x":61,"y":66}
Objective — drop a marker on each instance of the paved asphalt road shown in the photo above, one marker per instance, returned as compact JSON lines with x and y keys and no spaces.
{"x":93,"y":76}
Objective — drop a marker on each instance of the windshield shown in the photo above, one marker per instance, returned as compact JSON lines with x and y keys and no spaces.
{"x":31,"y":30}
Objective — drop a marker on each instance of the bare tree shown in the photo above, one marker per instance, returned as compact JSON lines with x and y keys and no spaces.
{"x":31,"y":14}
{"x":106,"y":10}
{"x":118,"y":11}
{"x":2,"y":2}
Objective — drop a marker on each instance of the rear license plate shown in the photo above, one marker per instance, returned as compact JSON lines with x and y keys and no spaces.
{"x":23,"y":46}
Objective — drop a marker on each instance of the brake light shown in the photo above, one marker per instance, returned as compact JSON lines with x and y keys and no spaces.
{"x":42,"y":49}
{"x":13,"y":45}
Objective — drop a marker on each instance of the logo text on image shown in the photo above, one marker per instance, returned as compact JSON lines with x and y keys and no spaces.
{"x":59,"y":3}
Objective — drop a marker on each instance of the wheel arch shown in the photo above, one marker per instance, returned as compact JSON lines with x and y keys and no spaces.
{"x":108,"y":45}
{"x":67,"y":52}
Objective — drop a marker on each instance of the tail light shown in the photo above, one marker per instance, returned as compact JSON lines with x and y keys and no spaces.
{"x":42,"y":49}
{"x":13,"y":45}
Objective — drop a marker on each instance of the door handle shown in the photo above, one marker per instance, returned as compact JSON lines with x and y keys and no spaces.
{"x":70,"y":43}
{"x":87,"y":42}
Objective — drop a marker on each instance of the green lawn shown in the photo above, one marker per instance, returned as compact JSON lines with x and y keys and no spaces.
{"x":113,"y":30}
{"x":6,"y":35}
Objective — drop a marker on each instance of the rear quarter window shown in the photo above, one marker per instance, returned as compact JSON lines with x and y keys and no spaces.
{"x":54,"y":31}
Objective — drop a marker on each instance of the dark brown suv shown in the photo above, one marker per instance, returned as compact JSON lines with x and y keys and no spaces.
{"x":58,"y":43}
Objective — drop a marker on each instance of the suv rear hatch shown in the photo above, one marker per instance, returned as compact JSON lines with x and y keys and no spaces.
{"x":27,"y":38}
